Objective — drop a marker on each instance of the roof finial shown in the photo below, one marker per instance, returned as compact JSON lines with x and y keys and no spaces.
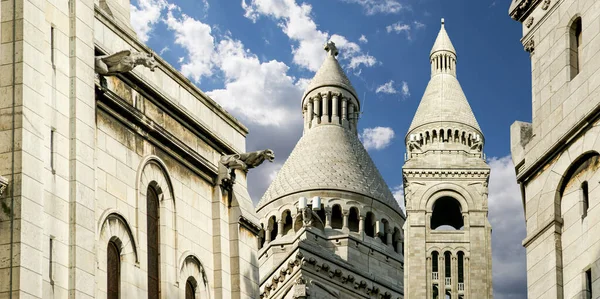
{"x":442,"y":22}
{"x":331,"y":48}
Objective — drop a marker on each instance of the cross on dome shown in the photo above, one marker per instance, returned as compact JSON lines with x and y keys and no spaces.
{"x":331,"y":49}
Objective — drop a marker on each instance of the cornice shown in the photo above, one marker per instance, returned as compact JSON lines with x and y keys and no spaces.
{"x":249,"y":225}
{"x":184,"y":82}
{"x":520,"y":9}
{"x":437,"y":173}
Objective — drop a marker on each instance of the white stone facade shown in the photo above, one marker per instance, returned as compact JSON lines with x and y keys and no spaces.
{"x":556,"y":155}
{"x":85,"y":151}
{"x":448,"y":236}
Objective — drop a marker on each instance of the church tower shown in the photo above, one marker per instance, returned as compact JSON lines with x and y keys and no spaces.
{"x":448,"y":236}
{"x":331,"y":226}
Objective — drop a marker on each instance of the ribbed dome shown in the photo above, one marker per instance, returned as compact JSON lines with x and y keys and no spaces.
{"x":442,"y":42}
{"x":329,"y":158}
{"x":444,"y":101}
{"x":330,"y":74}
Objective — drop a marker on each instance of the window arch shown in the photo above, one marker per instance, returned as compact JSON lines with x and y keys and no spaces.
{"x":370,"y":224}
{"x":113,"y":270}
{"x":575,"y":43}
{"x":434,"y":262}
{"x":461,"y":267}
{"x":153,"y":239}
{"x":287,"y":221}
{"x":447,"y":264}
{"x":273,"y":227}
{"x":580,"y":170}
{"x":447,"y":214}
{"x":190,"y":288}
{"x":353,"y":220}
{"x":336,"y":217}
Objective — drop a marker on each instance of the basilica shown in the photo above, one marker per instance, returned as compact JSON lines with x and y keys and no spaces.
{"x":119,"y":178}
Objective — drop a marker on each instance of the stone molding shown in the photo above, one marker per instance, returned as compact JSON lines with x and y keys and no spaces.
{"x":249,"y":225}
{"x":520,"y":9}
{"x":436,"y":173}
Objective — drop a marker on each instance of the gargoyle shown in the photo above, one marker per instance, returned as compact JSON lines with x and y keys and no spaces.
{"x":414,"y":145}
{"x":3,"y":184}
{"x":476,"y":145}
{"x":245,"y":161}
{"x":122,"y":62}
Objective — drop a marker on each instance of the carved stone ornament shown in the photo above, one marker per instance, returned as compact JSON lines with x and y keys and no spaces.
{"x":529,"y":22}
{"x":245,"y":161}
{"x":546,"y":4}
{"x":3,"y":184}
{"x":122,"y":62}
{"x":530,"y":46}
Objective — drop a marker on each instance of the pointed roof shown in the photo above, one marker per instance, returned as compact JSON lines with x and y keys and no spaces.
{"x":330,"y":73}
{"x":442,"y":42}
{"x":329,"y":158}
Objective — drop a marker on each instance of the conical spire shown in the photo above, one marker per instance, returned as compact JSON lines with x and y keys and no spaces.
{"x":330,"y":98}
{"x":444,"y":106}
{"x":442,"y":42}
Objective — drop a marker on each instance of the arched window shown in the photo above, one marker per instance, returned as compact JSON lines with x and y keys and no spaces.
{"x":447,"y":266}
{"x":446,"y":214}
{"x":396,"y":239}
{"x":336,"y":217}
{"x":461,"y":267}
{"x":152,"y":224}
{"x":113,"y":270}
{"x":585,"y":197}
{"x":436,"y":292}
{"x":434,"y":262}
{"x":274,"y":227}
{"x":321,"y":213}
{"x":261,"y":237}
{"x":353,"y":220}
{"x":386,"y":228}
{"x":575,"y":47}
{"x":287,"y":221}
{"x":370,"y":225}
{"x":190,"y":288}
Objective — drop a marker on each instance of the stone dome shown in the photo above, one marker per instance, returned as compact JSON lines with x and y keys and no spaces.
{"x":329,"y":157}
{"x":330,"y":74}
{"x":442,"y":42}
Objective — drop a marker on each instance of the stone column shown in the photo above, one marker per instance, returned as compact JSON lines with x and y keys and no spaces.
{"x":388,"y":235}
{"x":325,"y":102}
{"x":345,"y":112}
{"x":280,"y":228}
{"x":361,"y":224}
{"x":429,"y":278}
{"x":351,"y":116}
{"x":317,"y":108}
{"x":442,"y":272}
{"x":345,"y":215}
{"x":267,"y":236}
{"x":334,"y":109}
{"x":467,"y":277}
{"x":454,"y":267}
{"x":328,"y":218}
{"x":310,"y":113}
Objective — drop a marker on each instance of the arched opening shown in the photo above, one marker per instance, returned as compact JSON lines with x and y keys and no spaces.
{"x":153,"y":239}
{"x":448,"y":268}
{"x":321,"y":213}
{"x":450,"y":135}
{"x":435,"y":292}
{"x":353,"y":220}
{"x":575,"y":43}
{"x":273,"y":227}
{"x":461,"y":271}
{"x":190,"y":288}
{"x":447,"y":214}
{"x":434,"y":136}
{"x":434,"y":264}
{"x":396,"y":239}
{"x":336,"y":217}
{"x":441,"y":135}
{"x":113,"y":270}
{"x":383,"y":236}
{"x":370,"y":224}
{"x":261,"y":236}
{"x":585,"y":198}
{"x":456,"y":137}
{"x":287,"y":221}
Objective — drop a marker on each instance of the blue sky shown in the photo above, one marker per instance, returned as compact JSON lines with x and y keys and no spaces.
{"x":255,"y":57}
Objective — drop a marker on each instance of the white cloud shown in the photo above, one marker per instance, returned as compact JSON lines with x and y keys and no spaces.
{"x":196,"y":39}
{"x":508,"y":224}
{"x":372,"y":7}
{"x":419,"y":25}
{"x":387,"y":88}
{"x":163,"y":50}
{"x":296,"y":22}
{"x":145,"y":15}
{"x":398,"y":28}
{"x":376,"y":138}
{"x":398,"y":193}
{"x":363,"y":39}
{"x":405,"y":90}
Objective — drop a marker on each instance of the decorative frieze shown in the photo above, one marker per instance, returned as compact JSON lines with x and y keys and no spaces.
{"x":437,"y":173}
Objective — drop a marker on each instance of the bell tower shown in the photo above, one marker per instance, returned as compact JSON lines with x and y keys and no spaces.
{"x":448,"y":236}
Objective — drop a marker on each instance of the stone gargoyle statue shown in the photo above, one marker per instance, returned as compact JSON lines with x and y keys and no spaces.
{"x":122,"y":62}
{"x":244,"y":161}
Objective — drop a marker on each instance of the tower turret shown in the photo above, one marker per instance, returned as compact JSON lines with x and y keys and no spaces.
{"x":448,"y":236}
{"x":332,"y":227}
